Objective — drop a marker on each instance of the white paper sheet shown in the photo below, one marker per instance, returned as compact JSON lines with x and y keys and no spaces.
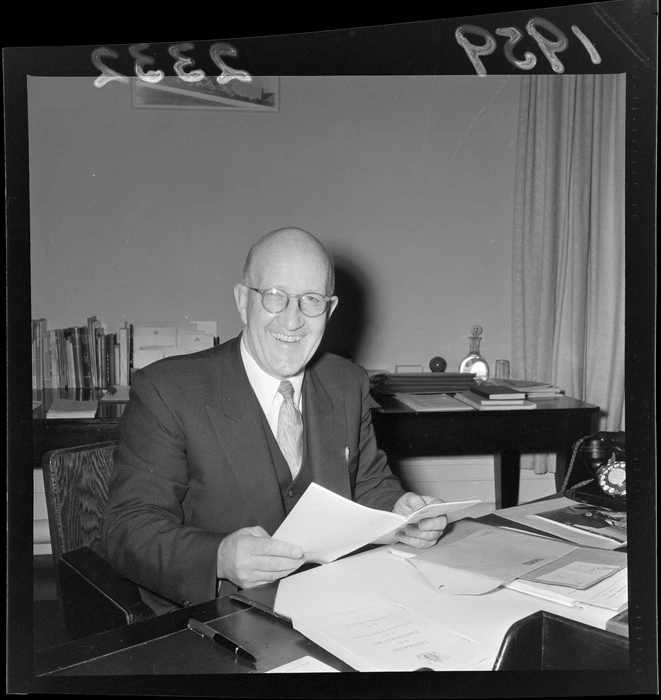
{"x":306,"y":664}
{"x":496,"y":554}
{"x":377,"y":634}
{"x":448,"y":581}
{"x":327,"y":526}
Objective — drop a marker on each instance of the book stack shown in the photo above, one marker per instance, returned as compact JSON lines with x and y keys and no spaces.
{"x":532,"y":389}
{"x":487,"y":397}
{"x":72,"y":408}
{"x":422,"y":382}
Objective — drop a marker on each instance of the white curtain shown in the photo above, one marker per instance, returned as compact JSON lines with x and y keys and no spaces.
{"x":568,"y":246}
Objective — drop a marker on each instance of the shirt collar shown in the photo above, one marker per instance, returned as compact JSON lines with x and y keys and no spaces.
{"x":264,"y":385}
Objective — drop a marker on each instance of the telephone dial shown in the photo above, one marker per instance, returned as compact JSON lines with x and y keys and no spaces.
{"x":598,"y":468}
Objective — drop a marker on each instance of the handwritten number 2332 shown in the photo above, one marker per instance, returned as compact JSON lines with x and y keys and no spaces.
{"x":182,"y":67}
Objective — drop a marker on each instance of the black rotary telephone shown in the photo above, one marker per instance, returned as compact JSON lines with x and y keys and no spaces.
{"x":597,"y":473}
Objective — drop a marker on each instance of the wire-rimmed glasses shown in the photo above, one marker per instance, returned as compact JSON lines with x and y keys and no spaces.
{"x":275,"y":300}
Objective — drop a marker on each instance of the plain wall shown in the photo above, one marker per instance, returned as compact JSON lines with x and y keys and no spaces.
{"x":147,"y":214}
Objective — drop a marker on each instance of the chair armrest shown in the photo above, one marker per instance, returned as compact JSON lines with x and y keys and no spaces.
{"x":94,"y":596}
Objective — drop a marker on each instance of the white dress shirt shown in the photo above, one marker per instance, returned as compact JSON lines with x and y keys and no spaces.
{"x":266,"y":388}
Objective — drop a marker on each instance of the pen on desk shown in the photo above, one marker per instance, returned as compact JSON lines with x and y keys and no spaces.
{"x":218,"y":638}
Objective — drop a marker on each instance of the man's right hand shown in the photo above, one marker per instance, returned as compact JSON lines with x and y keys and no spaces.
{"x":250,"y":557}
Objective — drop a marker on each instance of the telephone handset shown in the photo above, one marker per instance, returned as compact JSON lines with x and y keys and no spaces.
{"x":601,"y":457}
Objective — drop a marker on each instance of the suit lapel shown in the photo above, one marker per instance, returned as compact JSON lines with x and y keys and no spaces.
{"x":237,"y":420}
{"x":326,"y":434}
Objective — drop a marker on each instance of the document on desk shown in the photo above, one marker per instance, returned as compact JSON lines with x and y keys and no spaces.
{"x":326,"y":525}
{"x":587,"y":576}
{"x":525,"y":515}
{"x":580,"y":569}
{"x":494,"y":555}
{"x":483,"y":618}
{"x":378,"y":634}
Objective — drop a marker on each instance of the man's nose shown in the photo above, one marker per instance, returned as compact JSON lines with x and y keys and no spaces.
{"x":291,"y":316}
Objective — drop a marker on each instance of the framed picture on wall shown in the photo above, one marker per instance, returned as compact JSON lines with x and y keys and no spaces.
{"x":259,"y":94}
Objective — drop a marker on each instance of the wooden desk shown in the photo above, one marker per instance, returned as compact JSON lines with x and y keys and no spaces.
{"x":554,"y":426}
{"x":57,"y":433}
{"x":163,"y":645}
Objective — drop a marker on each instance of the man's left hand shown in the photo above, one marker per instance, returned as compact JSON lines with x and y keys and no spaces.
{"x":427,"y":531}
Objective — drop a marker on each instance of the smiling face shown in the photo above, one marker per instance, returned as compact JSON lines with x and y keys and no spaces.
{"x":283,"y":343}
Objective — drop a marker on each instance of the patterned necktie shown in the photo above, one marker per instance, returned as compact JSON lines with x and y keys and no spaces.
{"x":290,"y":429}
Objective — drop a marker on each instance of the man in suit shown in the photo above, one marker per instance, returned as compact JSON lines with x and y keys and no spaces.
{"x":207,"y":469}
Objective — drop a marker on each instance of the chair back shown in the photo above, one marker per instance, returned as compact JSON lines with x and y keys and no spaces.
{"x":76,"y":483}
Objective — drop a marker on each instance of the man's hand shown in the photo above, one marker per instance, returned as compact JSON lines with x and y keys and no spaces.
{"x":424,"y":533}
{"x":250,"y":557}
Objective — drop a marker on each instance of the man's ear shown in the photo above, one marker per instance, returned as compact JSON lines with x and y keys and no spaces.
{"x":331,"y":306}
{"x":241,"y":298}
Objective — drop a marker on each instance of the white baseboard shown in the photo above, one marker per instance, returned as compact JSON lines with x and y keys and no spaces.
{"x":461,"y":477}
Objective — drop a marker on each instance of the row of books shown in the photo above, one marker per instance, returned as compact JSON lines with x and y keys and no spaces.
{"x":91,"y":357}
{"x":80,"y":357}
{"x":483,"y":396}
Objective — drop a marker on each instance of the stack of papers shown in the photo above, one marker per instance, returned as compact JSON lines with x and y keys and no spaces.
{"x":608,"y":524}
{"x":531,"y":515}
{"x":422,"y":382}
{"x":610,"y":592}
{"x":431,"y":402}
{"x":544,"y":568}
{"x":154,"y":340}
{"x":347,"y":586}
{"x":70,"y":408}
{"x":532,"y":389}
{"x":490,"y":557}
{"x":474,"y":401}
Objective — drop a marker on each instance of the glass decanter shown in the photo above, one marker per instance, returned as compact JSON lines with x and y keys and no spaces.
{"x":474,"y":362}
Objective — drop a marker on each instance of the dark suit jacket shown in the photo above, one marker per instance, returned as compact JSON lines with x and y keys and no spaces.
{"x":194,"y":464}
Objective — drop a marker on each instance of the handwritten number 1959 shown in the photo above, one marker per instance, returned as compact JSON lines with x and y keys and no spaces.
{"x":182,"y":66}
{"x":548,"y":47}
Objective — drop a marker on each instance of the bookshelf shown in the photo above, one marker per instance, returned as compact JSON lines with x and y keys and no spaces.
{"x":80,"y":357}
{"x":91,"y":357}
{"x":81,"y":363}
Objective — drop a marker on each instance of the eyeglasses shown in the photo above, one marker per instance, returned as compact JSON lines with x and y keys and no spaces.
{"x":275,"y":300}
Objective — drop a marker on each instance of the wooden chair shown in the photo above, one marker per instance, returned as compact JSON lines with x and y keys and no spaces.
{"x":92,"y":595}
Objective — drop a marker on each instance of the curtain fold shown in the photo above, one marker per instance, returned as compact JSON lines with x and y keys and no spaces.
{"x":568,"y":245}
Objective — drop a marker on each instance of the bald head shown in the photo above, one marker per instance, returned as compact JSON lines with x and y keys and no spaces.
{"x":293,"y":262}
{"x":284,"y":242}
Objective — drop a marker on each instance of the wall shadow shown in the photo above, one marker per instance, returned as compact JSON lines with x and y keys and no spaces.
{"x":348,"y":326}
